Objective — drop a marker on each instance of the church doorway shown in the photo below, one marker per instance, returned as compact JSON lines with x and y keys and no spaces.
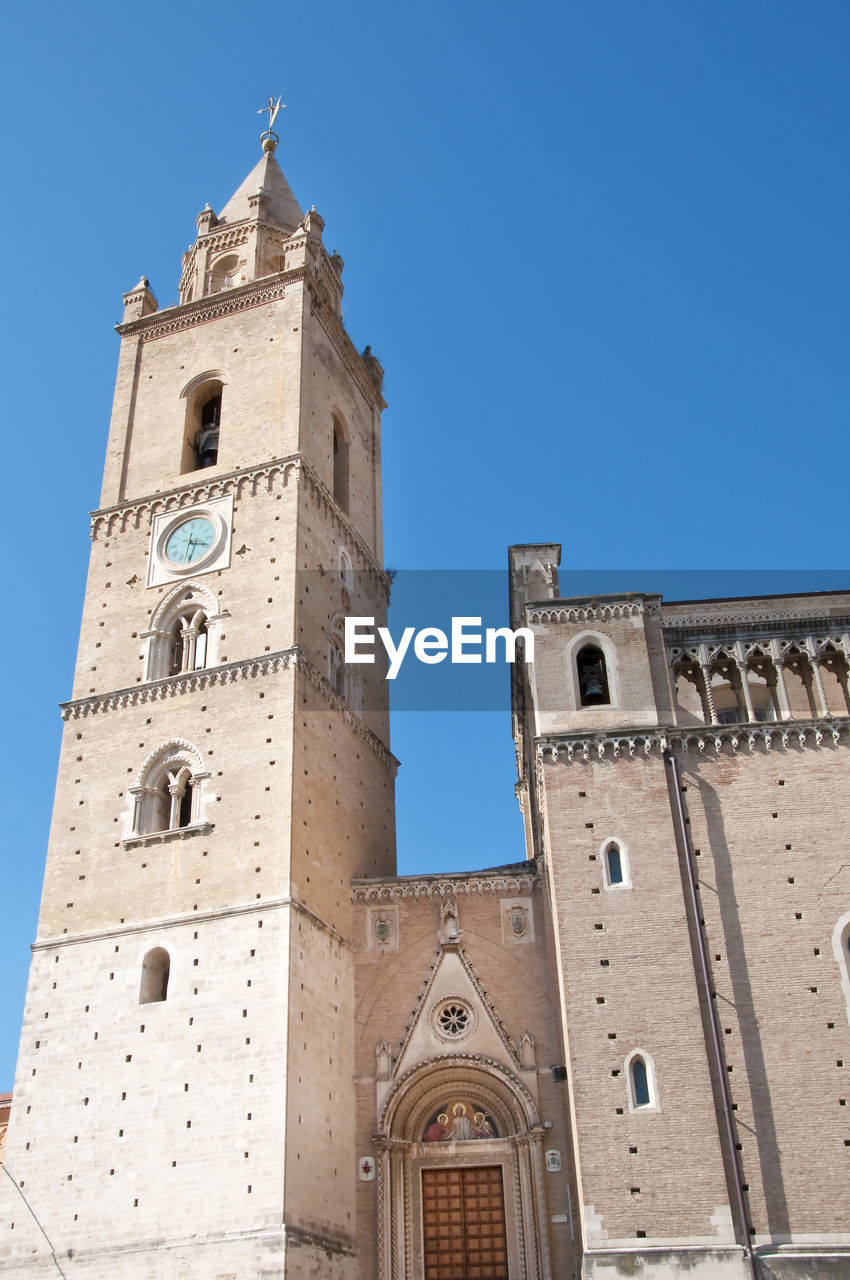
{"x":463,"y":1224}
{"x":460,"y":1175}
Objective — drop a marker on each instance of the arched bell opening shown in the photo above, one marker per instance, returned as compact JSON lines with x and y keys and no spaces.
{"x":489,"y":1154}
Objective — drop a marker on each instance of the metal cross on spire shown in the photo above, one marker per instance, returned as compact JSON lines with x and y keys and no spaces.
{"x":269,"y":138}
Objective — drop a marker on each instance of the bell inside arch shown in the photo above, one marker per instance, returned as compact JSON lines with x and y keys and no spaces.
{"x":592,"y":677}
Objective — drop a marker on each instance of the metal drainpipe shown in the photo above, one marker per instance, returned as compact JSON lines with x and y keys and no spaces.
{"x":679,"y":814}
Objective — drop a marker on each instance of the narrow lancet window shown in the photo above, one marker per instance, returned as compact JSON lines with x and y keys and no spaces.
{"x":640,"y":1096}
{"x":340,"y":452}
{"x":614,"y":863}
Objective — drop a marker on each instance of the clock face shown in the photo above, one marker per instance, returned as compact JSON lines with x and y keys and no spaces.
{"x":190,"y":541}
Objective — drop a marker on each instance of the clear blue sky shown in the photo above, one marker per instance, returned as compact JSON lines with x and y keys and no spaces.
{"x":600,"y":247}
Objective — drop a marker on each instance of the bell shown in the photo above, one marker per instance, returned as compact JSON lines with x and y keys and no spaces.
{"x":592,"y":689}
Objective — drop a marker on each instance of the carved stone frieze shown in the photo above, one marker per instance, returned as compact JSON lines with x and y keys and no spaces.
{"x":719,"y":737}
{"x":109,"y":519}
{"x":588,"y":612}
{"x":229,"y":673}
{"x":400,"y":888}
{"x":227,"y":302}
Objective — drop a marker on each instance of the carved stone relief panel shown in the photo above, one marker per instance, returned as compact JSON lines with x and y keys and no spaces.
{"x":517,"y":920}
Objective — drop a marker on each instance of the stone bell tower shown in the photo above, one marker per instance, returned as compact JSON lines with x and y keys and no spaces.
{"x":183,"y":1104}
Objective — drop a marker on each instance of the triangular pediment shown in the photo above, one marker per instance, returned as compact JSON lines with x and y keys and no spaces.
{"x":454,"y":1014}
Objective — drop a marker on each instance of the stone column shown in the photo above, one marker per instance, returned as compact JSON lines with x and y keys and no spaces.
{"x":709,"y":696}
{"x":781,"y":690}
{"x":529,"y":1224}
{"x":541,"y":1215}
{"x":176,"y":793}
{"x":818,"y":683}
{"x":741,"y":666}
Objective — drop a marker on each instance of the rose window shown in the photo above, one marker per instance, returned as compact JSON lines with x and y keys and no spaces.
{"x":453,"y":1019}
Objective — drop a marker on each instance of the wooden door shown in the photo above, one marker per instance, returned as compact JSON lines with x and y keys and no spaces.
{"x":463,"y":1224}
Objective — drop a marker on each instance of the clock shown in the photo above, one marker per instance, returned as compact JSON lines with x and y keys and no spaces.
{"x":190,"y":541}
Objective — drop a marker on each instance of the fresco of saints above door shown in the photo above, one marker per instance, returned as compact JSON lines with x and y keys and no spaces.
{"x":459,"y":1120}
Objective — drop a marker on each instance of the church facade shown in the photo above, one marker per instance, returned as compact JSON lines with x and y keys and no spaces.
{"x":250,"y":1049}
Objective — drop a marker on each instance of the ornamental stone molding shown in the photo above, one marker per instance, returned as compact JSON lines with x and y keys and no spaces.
{"x":229,"y":673}
{"x":347,"y":352}
{"x":455,"y":1063}
{"x":256,"y":293}
{"x":721,"y":739}
{"x":161,"y":324}
{"x":700,"y":623}
{"x":171,"y":686}
{"x":403,"y":888}
{"x":108,"y":520}
{"x":423,"y":1008}
{"x":176,"y":749}
{"x":589,"y":612}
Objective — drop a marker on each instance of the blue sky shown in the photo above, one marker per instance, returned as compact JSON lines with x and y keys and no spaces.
{"x":600,"y":248}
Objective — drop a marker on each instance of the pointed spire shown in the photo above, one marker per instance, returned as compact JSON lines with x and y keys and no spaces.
{"x":265,"y":178}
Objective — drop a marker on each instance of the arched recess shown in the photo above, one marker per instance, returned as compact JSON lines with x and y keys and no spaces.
{"x":340,"y":462}
{"x":593,"y":643}
{"x":841,"y":950}
{"x":167,"y":792}
{"x":403,"y":1156}
{"x":202,"y":424}
{"x":156,"y":969}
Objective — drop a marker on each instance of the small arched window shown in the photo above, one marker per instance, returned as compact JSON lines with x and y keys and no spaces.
{"x":206,"y":437}
{"x":615,"y":865}
{"x":592,"y":677}
{"x":641,"y":1082}
{"x":340,"y":459}
{"x":346,"y":573}
{"x":202,"y":428}
{"x":156,"y":968}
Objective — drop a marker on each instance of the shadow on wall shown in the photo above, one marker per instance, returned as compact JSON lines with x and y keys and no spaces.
{"x":776,"y":1204}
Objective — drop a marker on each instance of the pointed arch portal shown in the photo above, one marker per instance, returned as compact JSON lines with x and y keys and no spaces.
{"x":464,"y":1207}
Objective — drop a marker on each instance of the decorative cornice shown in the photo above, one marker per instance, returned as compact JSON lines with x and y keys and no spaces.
{"x":503,"y":880}
{"x":764,"y":620}
{"x":187,"y":682}
{"x":235,"y":482}
{"x":652,"y":741}
{"x":230,"y":673}
{"x":187,"y":495}
{"x":589,"y":612}
{"x":227,"y":302}
{"x":347,"y":352}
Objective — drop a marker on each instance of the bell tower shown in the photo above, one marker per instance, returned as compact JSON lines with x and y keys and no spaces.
{"x":184,"y":1100}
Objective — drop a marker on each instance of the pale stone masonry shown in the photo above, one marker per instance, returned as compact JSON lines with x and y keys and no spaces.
{"x":250,"y":1049}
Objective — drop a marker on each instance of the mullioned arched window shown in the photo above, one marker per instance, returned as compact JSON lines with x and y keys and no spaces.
{"x":181,"y":636}
{"x":167,"y":797}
